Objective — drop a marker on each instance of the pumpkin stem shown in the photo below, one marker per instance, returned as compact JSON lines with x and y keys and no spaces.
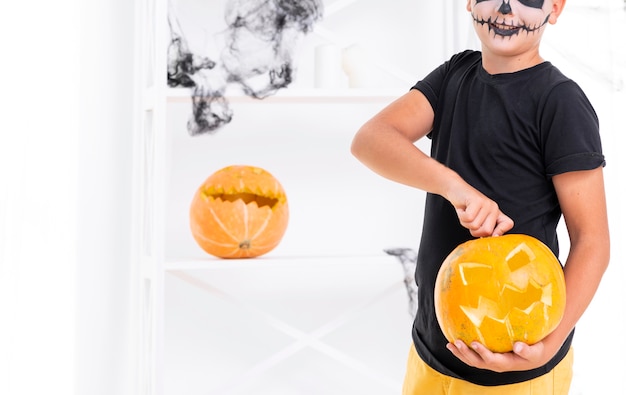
{"x":245,"y":245}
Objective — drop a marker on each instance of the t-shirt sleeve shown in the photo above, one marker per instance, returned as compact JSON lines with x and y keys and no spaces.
{"x":433,"y":84}
{"x":430,"y":86}
{"x":570,"y":130}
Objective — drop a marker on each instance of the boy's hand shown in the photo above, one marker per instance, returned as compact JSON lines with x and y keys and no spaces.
{"x":523,"y":356}
{"x":480,"y":215}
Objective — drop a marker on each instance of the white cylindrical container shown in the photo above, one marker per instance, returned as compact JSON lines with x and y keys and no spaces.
{"x":357,"y":65}
{"x":328,"y":73}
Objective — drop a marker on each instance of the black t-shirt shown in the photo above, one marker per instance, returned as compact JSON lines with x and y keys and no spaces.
{"x":506,"y":135}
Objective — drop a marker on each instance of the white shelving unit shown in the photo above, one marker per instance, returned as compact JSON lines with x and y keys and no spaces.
{"x":327,"y":310}
{"x":283,"y":323}
{"x":288,"y":320}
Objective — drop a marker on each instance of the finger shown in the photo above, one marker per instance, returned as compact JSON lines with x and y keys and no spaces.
{"x":484,"y":224}
{"x":527,"y":352}
{"x":457,"y":353}
{"x":473,"y":218}
{"x":520,"y":349}
{"x":481,"y":232}
{"x":466,"y":354}
{"x":466,"y":215}
{"x":485,"y":354}
{"x":485,"y":227}
{"x":503,"y":225}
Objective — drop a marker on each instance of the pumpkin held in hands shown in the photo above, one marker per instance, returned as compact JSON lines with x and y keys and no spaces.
{"x":500,"y":290}
{"x":239,"y":212}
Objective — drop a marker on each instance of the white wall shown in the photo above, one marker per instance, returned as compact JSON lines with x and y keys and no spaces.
{"x":38,"y":156}
{"x":594,"y":56}
{"x":66,"y":129}
{"x":104,"y":362}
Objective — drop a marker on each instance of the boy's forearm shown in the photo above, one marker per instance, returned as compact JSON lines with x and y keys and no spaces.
{"x":584,"y":268}
{"x":583,"y":202}
{"x":394,"y":157}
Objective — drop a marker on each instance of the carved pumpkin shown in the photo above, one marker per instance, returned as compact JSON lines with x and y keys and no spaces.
{"x":239,"y":212}
{"x":499,"y":290}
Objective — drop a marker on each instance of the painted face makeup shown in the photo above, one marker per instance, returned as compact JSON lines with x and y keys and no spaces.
{"x":532,"y":3}
{"x":527,"y":3}
{"x":511,"y":17}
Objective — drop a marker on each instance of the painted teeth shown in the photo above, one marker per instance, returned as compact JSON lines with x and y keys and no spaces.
{"x":505,"y":27}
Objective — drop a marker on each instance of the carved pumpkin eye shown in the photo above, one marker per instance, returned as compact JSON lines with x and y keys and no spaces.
{"x":499,"y":290}
{"x":532,"y":3}
{"x":239,"y":212}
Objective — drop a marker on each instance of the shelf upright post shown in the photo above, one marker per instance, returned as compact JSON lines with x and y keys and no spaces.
{"x":149,"y":167}
{"x":617,"y":22}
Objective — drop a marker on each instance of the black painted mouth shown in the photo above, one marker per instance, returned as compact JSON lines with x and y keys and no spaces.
{"x":502,"y":29}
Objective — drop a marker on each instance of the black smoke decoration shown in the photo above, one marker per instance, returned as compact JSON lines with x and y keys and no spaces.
{"x":260,"y":42}
{"x":408,"y":259}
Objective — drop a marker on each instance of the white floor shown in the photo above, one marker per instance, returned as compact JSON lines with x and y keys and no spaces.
{"x":287,"y":326}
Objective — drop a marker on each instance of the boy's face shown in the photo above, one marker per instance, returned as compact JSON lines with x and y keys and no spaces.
{"x":512,"y":25}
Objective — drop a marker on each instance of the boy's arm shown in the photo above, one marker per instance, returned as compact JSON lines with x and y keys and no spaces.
{"x":385,"y":144}
{"x":582,"y":199}
{"x":583,"y":202}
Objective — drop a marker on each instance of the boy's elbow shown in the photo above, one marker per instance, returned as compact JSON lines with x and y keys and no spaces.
{"x":606,"y":252}
{"x":601,"y":243}
{"x":357,"y":145}
{"x":354,"y":148}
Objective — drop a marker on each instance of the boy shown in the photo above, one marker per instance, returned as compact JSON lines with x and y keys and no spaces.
{"x":515,"y":146}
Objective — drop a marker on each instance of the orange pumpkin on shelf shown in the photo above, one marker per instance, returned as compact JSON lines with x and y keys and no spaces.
{"x":500,"y":290}
{"x":239,"y":212}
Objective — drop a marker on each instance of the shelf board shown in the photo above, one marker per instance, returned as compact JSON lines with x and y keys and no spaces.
{"x":197,"y":263}
{"x":287,"y":95}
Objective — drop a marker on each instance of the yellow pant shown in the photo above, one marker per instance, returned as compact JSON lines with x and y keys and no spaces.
{"x":421,"y":379}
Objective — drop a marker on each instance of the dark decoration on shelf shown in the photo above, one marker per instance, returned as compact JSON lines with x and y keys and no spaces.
{"x":261,"y":37}
{"x":408,"y":259}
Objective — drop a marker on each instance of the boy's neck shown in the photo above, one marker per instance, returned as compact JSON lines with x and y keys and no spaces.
{"x":501,"y":64}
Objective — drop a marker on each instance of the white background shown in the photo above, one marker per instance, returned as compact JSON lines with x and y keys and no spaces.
{"x":65,"y":167}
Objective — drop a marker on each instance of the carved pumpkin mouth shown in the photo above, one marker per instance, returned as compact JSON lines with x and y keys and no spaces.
{"x":247,"y":198}
{"x":246,"y":183}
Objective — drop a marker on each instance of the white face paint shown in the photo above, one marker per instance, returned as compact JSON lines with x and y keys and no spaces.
{"x":508,"y":18}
